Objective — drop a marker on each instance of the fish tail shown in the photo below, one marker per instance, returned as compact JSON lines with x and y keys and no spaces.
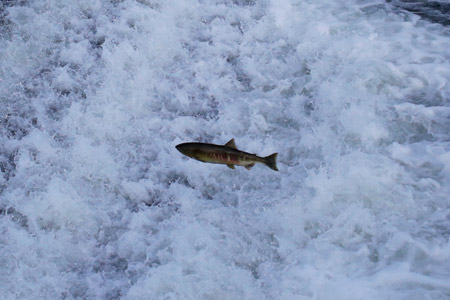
{"x":271,"y":161}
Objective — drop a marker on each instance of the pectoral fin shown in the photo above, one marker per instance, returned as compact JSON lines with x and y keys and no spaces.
{"x":249,"y":167}
{"x":230,"y":166}
{"x":231,"y":144}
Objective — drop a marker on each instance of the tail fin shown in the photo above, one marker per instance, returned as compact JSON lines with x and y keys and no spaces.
{"x":271,"y":161}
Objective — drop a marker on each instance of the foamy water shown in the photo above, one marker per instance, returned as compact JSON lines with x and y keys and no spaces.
{"x":96,"y":202}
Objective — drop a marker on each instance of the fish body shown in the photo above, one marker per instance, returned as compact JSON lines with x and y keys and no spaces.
{"x":226,"y":154}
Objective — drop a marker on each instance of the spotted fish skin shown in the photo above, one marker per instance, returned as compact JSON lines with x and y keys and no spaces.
{"x":227,"y":154}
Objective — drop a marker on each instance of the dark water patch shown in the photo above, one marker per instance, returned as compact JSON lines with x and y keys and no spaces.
{"x":244,"y":2}
{"x":110,"y":266}
{"x":14,"y":126}
{"x":15,"y":216}
{"x":4,"y":21}
{"x":7,"y":164}
{"x":433,"y":11}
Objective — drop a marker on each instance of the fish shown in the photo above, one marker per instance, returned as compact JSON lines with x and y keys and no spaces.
{"x":227,"y":154}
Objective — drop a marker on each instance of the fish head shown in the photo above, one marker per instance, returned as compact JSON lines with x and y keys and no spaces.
{"x":187,"y":149}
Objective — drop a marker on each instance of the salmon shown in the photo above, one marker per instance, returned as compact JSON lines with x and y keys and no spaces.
{"x":227,"y":154}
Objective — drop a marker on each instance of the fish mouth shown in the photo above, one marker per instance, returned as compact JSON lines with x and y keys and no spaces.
{"x":181,"y":148}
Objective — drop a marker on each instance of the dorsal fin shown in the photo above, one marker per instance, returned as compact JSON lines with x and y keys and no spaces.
{"x":231,"y":144}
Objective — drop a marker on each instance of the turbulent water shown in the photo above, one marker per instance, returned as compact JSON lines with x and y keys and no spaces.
{"x":97,"y":203}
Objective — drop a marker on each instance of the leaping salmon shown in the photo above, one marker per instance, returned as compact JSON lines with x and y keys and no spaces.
{"x":227,"y":154}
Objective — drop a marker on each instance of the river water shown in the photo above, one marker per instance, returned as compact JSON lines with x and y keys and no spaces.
{"x":97,"y":203}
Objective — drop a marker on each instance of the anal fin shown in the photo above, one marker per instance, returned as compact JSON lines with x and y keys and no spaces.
{"x":249,"y":167}
{"x":230,"y":166}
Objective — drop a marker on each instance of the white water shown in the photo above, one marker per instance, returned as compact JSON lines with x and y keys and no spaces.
{"x":96,"y":202}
